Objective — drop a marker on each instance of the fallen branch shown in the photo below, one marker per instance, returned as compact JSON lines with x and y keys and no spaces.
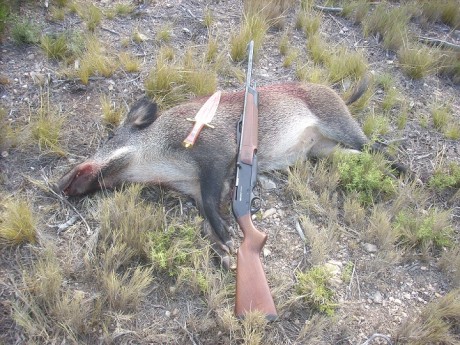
{"x":376,"y":335}
{"x":329,"y":9}
{"x":438,"y":43}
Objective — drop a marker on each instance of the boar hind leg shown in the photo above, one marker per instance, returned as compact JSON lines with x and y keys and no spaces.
{"x":212,"y":182}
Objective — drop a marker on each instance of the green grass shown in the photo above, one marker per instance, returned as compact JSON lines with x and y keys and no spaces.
{"x":284,"y":44}
{"x":169,"y":83}
{"x":313,"y":286}
{"x":273,"y":11}
{"x":364,"y":174}
{"x":18,"y":223}
{"x":391,"y":99}
{"x":290,"y":58}
{"x":164,"y":84}
{"x":212,"y":50}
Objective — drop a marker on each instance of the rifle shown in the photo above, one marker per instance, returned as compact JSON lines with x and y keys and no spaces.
{"x":252,"y":291}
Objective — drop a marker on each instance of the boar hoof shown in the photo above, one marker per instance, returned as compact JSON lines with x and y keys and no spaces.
{"x":230,"y":246}
{"x":225,"y":262}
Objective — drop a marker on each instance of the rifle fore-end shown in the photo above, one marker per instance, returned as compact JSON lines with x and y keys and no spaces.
{"x":251,"y":128}
{"x":252,"y":290}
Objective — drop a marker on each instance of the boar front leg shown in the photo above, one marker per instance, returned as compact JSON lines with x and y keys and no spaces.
{"x":212,"y":182}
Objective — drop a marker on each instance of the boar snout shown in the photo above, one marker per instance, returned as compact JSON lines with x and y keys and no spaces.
{"x":82,"y":179}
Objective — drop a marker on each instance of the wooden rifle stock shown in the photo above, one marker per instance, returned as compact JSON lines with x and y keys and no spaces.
{"x":252,"y":291}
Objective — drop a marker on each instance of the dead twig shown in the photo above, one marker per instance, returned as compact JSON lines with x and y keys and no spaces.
{"x":65,"y":201}
{"x":111,"y":31}
{"x":377,"y":335}
{"x":438,"y":43}
{"x":329,"y":9}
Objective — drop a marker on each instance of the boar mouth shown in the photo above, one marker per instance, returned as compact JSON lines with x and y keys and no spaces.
{"x":82,"y":179}
{"x":90,"y":176}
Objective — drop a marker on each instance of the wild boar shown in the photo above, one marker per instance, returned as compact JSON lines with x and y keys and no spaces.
{"x":296,"y":120}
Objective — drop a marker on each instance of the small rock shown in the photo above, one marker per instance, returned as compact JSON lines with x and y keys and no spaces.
{"x":266,"y":252}
{"x":167,"y":313}
{"x":4,"y":154}
{"x":334,"y":269}
{"x":175,"y":312}
{"x":266,"y":183}
{"x":370,"y":248}
{"x":377,"y":297}
{"x":30,"y":56}
{"x":186,"y":31}
{"x":268,"y":213}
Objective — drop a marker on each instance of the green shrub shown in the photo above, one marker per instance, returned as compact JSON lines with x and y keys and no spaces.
{"x":365,"y":174}
{"x":425,"y":230}
{"x":314,"y":288}
{"x":447,"y":177}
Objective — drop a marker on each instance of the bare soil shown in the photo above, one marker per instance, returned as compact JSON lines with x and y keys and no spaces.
{"x":379,"y":298}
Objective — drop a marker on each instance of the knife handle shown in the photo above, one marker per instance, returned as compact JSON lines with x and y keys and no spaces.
{"x":193,"y":135}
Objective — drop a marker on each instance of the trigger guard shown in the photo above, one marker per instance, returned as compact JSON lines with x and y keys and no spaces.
{"x":255,"y":204}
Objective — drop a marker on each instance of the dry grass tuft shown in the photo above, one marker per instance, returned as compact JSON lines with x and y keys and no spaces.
{"x":254,"y":27}
{"x":45,"y":309}
{"x":320,"y":240}
{"x":126,"y":219}
{"x":437,"y":323}
{"x":111,"y":113}
{"x":18,"y":223}
{"x":417,"y":61}
{"x":309,"y":22}
{"x":391,"y":23}
{"x":129,"y":62}
{"x":356,"y":10}
{"x":124,"y":292}
{"x":96,"y":60}
{"x":253,"y":325}
{"x":169,"y":83}
{"x":273,"y":10}
{"x":45,"y":126}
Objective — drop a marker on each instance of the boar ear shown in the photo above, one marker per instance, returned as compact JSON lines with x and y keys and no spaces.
{"x":142,"y":113}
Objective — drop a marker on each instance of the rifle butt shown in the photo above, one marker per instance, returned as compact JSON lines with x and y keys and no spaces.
{"x":252,"y":290}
